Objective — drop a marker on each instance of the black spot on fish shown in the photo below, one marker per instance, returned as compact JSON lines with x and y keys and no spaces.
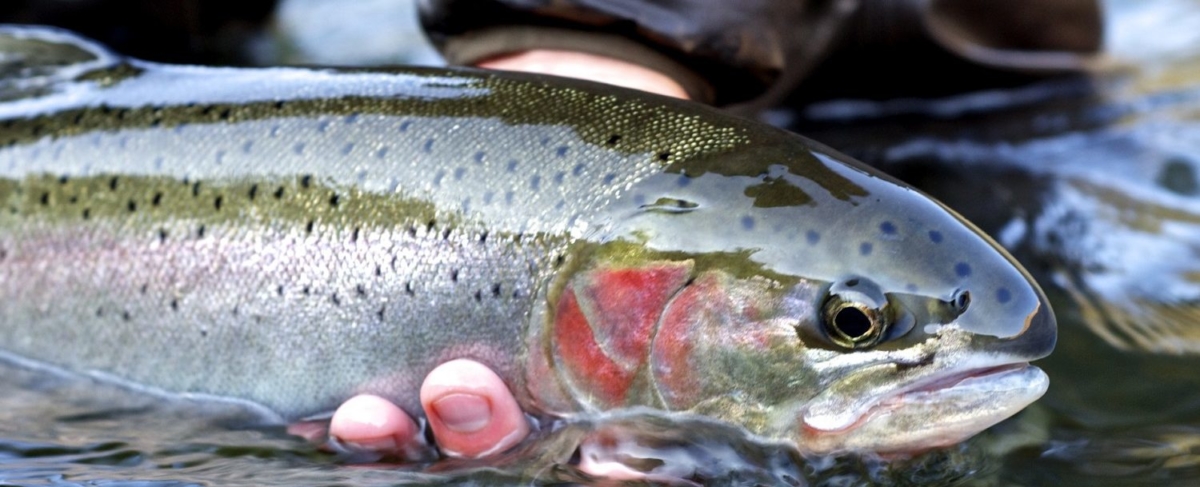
{"x":962,"y":269}
{"x":279,"y":193}
{"x":162,"y":235}
{"x":200,"y":231}
{"x":381,"y":153}
{"x":479,"y":157}
{"x":459,"y":173}
{"x":483,"y":237}
{"x":334,"y":199}
{"x":535,"y":182}
{"x":45,"y":199}
{"x":279,"y":290}
{"x":935,"y":236}
{"x":347,"y":149}
{"x":496,"y":290}
{"x":156,"y":199}
{"x":308,"y":227}
{"x":446,"y":234}
{"x":204,"y":333}
{"x":852,"y":283}
{"x":512,"y":166}
{"x":306,"y":181}
{"x":125,"y":316}
{"x":62,"y":180}
{"x":143,"y":289}
{"x":408,"y":289}
{"x":280,"y":104}
{"x":225,"y":114}
{"x":217,"y":202}
{"x":360,"y":290}
{"x":354,"y":235}
{"x":561,"y":151}
{"x":812,"y":237}
{"x":865,"y":248}
{"x":747,"y":223}
{"x":888,"y":228}
{"x":1003,"y":295}
{"x":335,"y":299}
{"x":174,"y":305}
{"x":577,"y":170}
{"x":112,"y":183}
{"x":298,"y":148}
{"x":379,"y":313}
{"x":404,"y":126}
{"x":132,"y":206}
{"x":307,"y":291}
{"x":609,"y":178}
{"x":559,"y":261}
{"x":430,"y":225}
{"x":664,"y":156}
{"x":253,"y":192}
{"x":428,"y":147}
{"x":72,"y":200}
{"x":412,"y":231}
{"x":99,"y":312}
{"x":87,"y":213}
{"x":196,"y":189}
{"x":613,"y":139}
{"x":378,"y":270}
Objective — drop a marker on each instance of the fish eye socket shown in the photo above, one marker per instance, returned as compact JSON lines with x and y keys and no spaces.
{"x":961,"y":301}
{"x":852,"y":324}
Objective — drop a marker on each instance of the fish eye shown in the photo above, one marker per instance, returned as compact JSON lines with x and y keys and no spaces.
{"x":854,"y":315}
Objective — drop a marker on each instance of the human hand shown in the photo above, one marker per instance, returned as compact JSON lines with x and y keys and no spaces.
{"x":470,"y":411}
{"x":589,"y":67}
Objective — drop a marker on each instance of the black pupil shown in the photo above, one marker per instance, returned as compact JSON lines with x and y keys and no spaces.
{"x":852,"y":322}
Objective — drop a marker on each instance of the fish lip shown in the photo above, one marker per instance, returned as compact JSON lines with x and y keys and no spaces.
{"x":939,"y":381}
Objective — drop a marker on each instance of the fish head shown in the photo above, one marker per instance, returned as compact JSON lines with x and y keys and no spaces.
{"x":790,"y":290}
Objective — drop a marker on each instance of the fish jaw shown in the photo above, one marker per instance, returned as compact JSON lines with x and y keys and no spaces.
{"x":935,"y":394}
{"x":942,"y":413}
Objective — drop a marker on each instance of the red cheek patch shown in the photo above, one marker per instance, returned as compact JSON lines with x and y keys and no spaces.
{"x":686,"y":323}
{"x":603,"y":325}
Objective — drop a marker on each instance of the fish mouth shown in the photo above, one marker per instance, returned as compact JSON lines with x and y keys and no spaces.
{"x":935,"y":411}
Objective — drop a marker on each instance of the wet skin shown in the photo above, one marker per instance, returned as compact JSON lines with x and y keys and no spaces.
{"x":470,"y":410}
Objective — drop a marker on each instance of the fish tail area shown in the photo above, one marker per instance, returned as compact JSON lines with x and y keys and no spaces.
{"x":42,"y":61}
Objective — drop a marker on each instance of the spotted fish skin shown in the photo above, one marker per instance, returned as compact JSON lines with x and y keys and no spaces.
{"x":292,"y":237}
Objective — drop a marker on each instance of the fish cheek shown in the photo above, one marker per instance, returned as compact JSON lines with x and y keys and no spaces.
{"x":725,"y":340}
{"x":603,"y":325}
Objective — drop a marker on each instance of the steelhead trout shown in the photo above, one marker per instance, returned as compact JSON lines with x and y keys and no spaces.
{"x":292,"y":237}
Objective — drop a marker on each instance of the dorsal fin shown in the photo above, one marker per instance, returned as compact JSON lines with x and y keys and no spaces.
{"x":39,"y":61}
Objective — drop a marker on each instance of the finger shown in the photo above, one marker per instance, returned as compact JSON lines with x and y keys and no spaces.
{"x":367,"y":423}
{"x":471,"y":411}
{"x":589,"y":67}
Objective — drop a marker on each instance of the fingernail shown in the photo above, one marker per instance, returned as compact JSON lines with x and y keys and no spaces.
{"x":463,"y":413}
